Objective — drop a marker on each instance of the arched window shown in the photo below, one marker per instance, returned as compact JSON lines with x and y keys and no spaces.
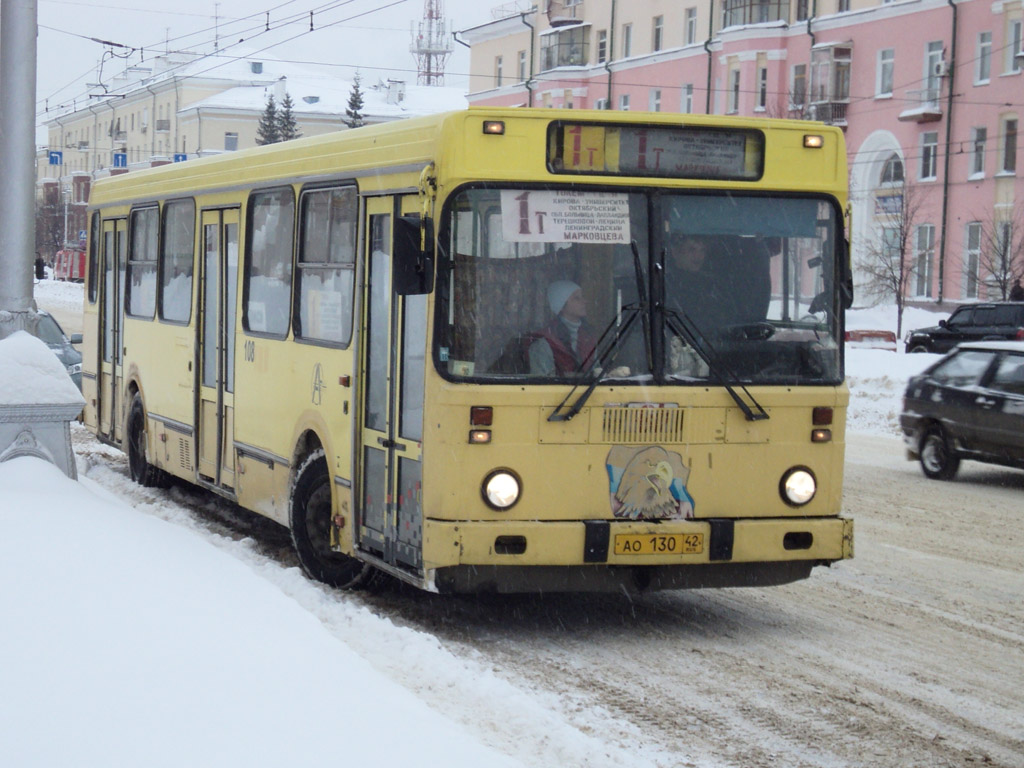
{"x":892,"y":171}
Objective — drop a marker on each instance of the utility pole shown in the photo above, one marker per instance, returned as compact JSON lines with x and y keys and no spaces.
{"x":17,"y":152}
{"x":36,"y":424}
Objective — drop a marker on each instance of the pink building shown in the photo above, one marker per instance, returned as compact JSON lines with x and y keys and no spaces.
{"x":930,"y":94}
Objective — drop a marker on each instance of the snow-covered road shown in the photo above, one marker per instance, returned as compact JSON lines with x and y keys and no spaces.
{"x":911,"y":654}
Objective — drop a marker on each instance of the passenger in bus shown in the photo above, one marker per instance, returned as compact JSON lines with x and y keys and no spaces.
{"x":566,"y":344}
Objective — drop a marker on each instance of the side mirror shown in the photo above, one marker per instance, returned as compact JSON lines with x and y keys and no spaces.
{"x":76,"y":338}
{"x":413,"y":272}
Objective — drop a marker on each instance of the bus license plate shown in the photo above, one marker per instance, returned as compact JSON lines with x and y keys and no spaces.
{"x":659,"y":544}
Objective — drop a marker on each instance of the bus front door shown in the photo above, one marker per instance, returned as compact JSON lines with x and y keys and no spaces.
{"x":111,"y":312}
{"x":216,"y":348}
{"x":394,"y":346}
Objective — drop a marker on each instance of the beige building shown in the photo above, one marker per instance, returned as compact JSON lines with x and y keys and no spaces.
{"x":182,"y":106}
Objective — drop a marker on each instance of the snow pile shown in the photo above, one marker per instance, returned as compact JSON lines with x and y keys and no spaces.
{"x":128,"y":640}
{"x":30,"y":374}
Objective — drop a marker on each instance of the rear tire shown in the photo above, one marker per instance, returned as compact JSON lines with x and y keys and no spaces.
{"x":309,"y":517}
{"x":938,"y":459}
{"x":142,"y":472}
{"x":917,"y":349}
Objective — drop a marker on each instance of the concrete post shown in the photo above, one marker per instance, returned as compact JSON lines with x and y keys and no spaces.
{"x":17,"y":157}
{"x":37,"y":398}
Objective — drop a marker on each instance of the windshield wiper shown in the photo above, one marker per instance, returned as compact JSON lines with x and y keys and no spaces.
{"x":681,"y":324}
{"x":598,"y":362}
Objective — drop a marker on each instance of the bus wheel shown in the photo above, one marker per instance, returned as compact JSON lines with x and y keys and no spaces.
{"x":309,"y":513}
{"x":142,"y":471}
{"x":938,"y":459}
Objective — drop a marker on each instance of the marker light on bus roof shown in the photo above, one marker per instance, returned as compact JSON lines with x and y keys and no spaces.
{"x":496,"y":127}
{"x":798,"y":486}
{"x":814,"y":141}
{"x":501,"y":489}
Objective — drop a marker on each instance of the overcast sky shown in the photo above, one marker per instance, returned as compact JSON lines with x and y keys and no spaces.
{"x":372,"y":36}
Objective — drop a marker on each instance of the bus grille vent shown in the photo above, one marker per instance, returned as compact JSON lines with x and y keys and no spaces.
{"x":642,"y":425}
{"x":185,"y":455}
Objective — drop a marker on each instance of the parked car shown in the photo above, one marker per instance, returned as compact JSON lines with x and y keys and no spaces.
{"x":52,"y":334}
{"x":971,"y":322}
{"x":968,"y":405}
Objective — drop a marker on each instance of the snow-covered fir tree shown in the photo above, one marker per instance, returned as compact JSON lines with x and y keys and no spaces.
{"x":353,"y":112}
{"x":287,"y":128}
{"x":267,"y":132}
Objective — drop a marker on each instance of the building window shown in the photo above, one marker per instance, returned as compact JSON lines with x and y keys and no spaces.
{"x":798,"y":91}
{"x":602,"y":46}
{"x":802,"y":9}
{"x":1014,"y":41}
{"x":230,"y":141}
{"x":627,"y":40}
{"x":624,"y":102}
{"x":983,"y":67}
{"x":978,"y":139}
{"x":734,"y":91}
{"x":1008,"y":154}
{"x":565,"y":48}
{"x":892,"y":171}
{"x":923,"y":257}
{"x":830,"y":74}
{"x":654,"y":100}
{"x":691,"y":26}
{"x":657,"y":33}
{"x":601,"y":104}
{"x":522,"y":67}
{"x":972,"y":260}
{"x":497,"y":71}
{"x":934,"y":64}
{"x":686,"y":105}
{"x":929,"y":154}
{"x":884,"y":74}
{"x":843,"y":6}
{"x":762,"y":88}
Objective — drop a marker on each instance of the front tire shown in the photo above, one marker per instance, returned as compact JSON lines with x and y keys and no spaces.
{"x":938,"y":459}
{"x":142,"y":472}
{"x":309,"y":517}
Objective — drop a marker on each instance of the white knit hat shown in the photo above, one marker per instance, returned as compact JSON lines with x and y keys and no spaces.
{"x":559,"y":293}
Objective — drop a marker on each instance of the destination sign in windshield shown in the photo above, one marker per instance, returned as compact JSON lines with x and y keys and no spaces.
{"x":681,"y":152}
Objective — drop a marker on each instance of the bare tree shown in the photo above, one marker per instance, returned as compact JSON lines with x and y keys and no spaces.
{"x":1001,"y":254}
{"x":887,"y":264}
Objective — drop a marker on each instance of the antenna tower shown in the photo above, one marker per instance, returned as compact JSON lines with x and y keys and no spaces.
{"x":431,"y":44}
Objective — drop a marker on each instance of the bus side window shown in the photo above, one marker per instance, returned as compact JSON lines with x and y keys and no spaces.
{"x":325,"y":280}
{"x":176,"y":259}
{"x":268,"y":266}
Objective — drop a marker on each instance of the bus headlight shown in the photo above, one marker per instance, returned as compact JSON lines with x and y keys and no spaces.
{"x":74,"y":368}
{"x":798,"y":486}
{"x":501,"y":489}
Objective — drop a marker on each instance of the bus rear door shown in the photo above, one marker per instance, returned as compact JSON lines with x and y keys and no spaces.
{"x":394,"y":346}
{"x":111,"y":312}
{"x":216,"y":348}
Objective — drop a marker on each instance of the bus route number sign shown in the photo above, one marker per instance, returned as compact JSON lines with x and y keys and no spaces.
{"x":659,"y":544}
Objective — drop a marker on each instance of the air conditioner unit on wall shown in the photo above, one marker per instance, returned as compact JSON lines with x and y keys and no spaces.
{"x":940,"y":68}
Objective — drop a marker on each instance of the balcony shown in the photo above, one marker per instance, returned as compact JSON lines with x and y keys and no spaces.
{"x":922,"y":106}
{"x":120,"y":135}
{"x":828,"y":112}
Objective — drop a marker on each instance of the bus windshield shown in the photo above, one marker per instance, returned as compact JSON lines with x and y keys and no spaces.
{"x":542,"y":285}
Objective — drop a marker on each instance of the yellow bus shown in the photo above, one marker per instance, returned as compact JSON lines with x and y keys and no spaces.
{"x":498,"y":349}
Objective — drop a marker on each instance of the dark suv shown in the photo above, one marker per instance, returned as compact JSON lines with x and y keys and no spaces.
{"x":995,"y":321}
{"x":968,"y":405}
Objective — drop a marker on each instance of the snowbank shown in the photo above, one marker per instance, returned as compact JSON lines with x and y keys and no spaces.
{"x":131,"y":641}
{"x":30,"y":374}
